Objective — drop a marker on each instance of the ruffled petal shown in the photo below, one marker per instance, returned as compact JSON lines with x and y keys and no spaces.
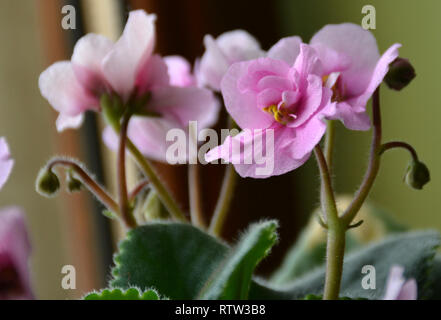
{"x":352,"y":119}
{"x":60,"y":87}
{"x":185,"y":104}
{"x":228,"y":48}
{"x":133,"y":49}
{"x":358,"y":45}
{"x":287,"y":49}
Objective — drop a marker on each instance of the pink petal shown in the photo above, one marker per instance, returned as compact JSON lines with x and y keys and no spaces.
{"x":287,"y":49}
{"x":69,"y":122}
{"x":15,"y":250}
{"x":179,"y":70}
{"x":87,"y":59}
{"x":307,"y":63}
{"x":358,"y":46}
{"x":6,"y":163}
{"x":185,"y":104}
{"x":397,"y":288}
{"x":409,"y":291}
{"x":220,"y":54}
{"x":352,"y":119}
{"x":133,"y":49}
{"x":281,"y":162}
{"x":380,"y":71}
{"x":60,"y":87}
{"x":243,"y":106}
{"x":154,"y":74}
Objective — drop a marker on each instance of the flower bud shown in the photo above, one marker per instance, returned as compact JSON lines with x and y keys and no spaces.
{"x":417,"y":175}
{"x":47,"y":183}
{"x":400,"y":74}
{"x":73,"y":184}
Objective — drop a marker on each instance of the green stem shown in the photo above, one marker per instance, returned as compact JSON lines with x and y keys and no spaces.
{"x":373,"y":166}
{"x":335,"y":250}
{"x":123,"y":198}
{"x":194,"y":188}
{"x":329,"y":145}
{"x":336,"y":232}
{"x":224,"y":201}
{"x":160,"y":189}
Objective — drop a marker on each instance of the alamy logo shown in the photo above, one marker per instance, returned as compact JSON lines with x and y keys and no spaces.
{"x":245,"y":148}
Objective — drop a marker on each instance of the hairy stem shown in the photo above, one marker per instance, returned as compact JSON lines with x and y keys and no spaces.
{"x":399,"y":144}
{"x":87,"y":181}
{"x":194,"y":188}
{"x":137,"y":189}
{"x":373,"y":166}
{"x":123,"y":198}
{"x":162,"y":192}
{"x":224,"y":201}
{"x":329,"y":145}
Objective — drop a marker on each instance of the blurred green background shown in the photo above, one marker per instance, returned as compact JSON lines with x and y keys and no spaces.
{"x":411,"y":115}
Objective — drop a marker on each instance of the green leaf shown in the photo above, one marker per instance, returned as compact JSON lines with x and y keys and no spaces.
{"x":174,"y":258}
{"x":414,"y":251}
{"x":232,"y":279}
{"x":433,"y":285}
{"x":118,"y":294}
{"x":180,"y":260}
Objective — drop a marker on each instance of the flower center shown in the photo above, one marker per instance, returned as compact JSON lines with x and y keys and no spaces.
{"x":280,"y":113}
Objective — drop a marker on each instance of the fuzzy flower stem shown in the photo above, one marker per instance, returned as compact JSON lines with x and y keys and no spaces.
{"x":336,"y":231}
{"x":162,"y":192}
{"x":373,"y":166}
{"x":88,"y":181}
{"x":329,"y":145}
{"x":399,"y":144}
{"x":123,"y":198}
{"x":137,"y":189}
{"x":224,"y":201}
{"x":194,"y":187}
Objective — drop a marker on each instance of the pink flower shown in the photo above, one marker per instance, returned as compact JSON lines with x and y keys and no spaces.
{"x":15,"y":249}
{"x":221,"y":53}
{"x":280,"y":93}
{"x":127,"y":68}
{"x":6,"y":163}
{"x":398,"y":288}
{"x":179,"y":71}
{"x":352,"y":52}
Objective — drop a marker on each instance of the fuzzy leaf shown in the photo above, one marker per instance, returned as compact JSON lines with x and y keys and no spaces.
{"x":118,"y":294}
{"x":174,"y":258}
{"x":233,"y":277}
{"x":414,"y":251}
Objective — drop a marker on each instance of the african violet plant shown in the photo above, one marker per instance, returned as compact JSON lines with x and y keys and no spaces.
{"x":284,"y":100}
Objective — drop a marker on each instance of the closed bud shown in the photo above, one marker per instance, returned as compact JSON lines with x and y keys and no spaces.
{"x":400,"y":74}
{"x":417,"y":175}
{"x":73,"y":184}
{"x":47,"y":183}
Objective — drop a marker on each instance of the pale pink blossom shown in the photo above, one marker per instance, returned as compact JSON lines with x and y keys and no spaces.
{"x":398,"y":288}
{"x":15,"y":249}
{"x":352,"y":52}
{"x":222,"y":52}
{"x":6,"y":163}
{"x":128,"y":68}
{"x":179,"y":71}
{"x":287,"y":97}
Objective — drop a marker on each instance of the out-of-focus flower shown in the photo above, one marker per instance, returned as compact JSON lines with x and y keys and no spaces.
{"x":127,"y":68}
{"x":179,"y":71}
{"x":222,"y":52}
{"x":288,"y":98}
{"x":398,"y":288}
{"x":6,"y":163}
{"x":15,"y":249}
{"x":352,"y":52}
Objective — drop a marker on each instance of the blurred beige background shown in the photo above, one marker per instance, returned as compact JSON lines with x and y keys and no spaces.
{"x":411,"y":115}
